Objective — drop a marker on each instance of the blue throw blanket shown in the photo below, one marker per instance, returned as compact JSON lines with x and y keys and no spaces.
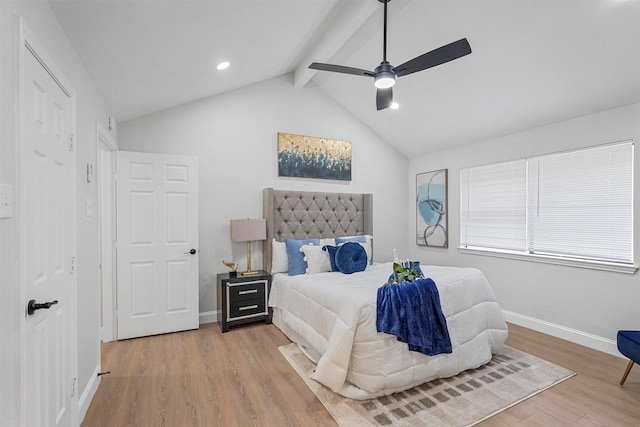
{"x":411,"y":311}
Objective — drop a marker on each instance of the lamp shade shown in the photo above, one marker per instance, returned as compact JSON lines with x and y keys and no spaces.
{"x":248,"y":230}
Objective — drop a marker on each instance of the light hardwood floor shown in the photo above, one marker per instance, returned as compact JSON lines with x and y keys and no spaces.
{"x":206,"y":378}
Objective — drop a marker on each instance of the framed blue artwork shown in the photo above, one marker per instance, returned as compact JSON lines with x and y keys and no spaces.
{"x":312,"y":157}
{"x":431,"y":209}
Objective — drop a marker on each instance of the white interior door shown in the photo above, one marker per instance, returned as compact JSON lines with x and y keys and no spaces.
{"x":157,"y":243}
{"x":47,"y":235}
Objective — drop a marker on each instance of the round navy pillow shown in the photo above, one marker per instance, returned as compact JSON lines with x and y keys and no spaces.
{"x":351,"y":257}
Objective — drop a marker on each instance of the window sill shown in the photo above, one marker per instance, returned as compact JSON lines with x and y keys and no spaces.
{"x":548,"y":259}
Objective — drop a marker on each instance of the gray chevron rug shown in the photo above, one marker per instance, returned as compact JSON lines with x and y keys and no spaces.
{"x":464,"y":400}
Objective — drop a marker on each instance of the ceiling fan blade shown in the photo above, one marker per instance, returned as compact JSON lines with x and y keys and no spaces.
{"x":437,"y":56}
{"x":384,"y":98}
{"x":341,"y":69}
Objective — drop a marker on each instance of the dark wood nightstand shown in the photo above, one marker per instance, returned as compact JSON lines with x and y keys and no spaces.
{"x":243,"y":299}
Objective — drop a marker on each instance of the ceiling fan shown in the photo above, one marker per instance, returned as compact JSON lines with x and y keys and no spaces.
{"x":385,"y":74}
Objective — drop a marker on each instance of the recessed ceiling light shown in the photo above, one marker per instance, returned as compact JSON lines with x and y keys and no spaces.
{"x":395,"y":105}
{"x":222,"y":65}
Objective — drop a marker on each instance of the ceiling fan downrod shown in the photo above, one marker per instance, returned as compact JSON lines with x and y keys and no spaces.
{"x":384,"y":77}
{"x":384,"y":36}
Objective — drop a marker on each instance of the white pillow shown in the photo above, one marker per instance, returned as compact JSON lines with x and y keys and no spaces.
{"x":317,"y":259}
{"x":328,"y":242}
{"x":279,"y":258}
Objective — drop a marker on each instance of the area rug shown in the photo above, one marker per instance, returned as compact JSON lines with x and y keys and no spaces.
{"x":464,"y":400}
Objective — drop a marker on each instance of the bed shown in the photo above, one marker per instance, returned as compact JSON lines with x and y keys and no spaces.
{"x":332,"y":316}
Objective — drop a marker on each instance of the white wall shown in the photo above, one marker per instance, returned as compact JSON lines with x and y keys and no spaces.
{"x":235,"y":136}
{"x":90,"y":107}
{"x":582,"y":305}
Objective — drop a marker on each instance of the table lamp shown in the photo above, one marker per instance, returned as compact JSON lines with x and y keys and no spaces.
{"x":248,"y":230}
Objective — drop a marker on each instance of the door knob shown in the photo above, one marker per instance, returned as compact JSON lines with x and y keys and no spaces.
{"x":32,"y":306}
{"x":192,"y":252}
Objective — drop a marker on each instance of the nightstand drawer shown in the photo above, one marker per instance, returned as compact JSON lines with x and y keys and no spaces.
{"x":251,"y":290}
{"x":247,"y":307}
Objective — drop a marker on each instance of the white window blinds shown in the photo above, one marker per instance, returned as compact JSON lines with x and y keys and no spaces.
{"x":493,"y":206}
{"x":575,"y":204}
{"x":581,"y":203}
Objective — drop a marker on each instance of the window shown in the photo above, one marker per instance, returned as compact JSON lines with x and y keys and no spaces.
{"x":574,"y":205}
{"x":494,"y":206}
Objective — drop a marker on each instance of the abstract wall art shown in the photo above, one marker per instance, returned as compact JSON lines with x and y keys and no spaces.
{"x":312,"y":157}
{"x":431,"y":209}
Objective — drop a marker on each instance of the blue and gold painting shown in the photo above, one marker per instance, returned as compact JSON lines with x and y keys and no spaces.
{"x":312,"y":157}
{"x":431,"y":209}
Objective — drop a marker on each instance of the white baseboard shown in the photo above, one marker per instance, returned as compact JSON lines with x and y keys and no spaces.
{"x":208,"y":317}
{"x":87,"y":394}
{"x":572,"y":335}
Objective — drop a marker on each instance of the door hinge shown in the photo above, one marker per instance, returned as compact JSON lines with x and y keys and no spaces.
{"x":72,"y":142}
{"x":72,"y":265}
{"x":74,"y":385}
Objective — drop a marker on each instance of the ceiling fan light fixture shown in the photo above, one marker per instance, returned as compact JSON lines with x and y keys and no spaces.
{"x":384,"y":81}
{"x":384,"y":76}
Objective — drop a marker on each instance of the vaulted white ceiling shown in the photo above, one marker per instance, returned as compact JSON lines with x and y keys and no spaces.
{"x":534,"y":62}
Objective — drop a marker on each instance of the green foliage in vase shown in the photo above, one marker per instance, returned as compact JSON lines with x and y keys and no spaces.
{"x":404,"y":272}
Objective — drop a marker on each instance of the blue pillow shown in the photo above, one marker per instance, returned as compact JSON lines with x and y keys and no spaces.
{"x":332,"y":256}
{"x":351,"y":257}
{"x":358,"y":239}
{"x":297,"y":264}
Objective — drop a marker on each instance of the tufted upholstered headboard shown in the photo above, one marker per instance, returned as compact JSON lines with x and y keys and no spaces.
{"x":304,"y":215}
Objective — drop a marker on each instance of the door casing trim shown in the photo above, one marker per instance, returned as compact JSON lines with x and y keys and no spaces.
{"x":106,"y":221}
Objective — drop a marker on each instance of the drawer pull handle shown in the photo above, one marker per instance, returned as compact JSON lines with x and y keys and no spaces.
{"x":248,"y":307}
{"x":252,"y":291}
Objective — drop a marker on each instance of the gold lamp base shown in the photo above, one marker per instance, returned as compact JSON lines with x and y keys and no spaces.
{"x":249,"y":272}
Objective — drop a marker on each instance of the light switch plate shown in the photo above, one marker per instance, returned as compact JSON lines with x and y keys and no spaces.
{"x":89,"y":172}
{"x":6,"y":201}
{"x":88,"y":207}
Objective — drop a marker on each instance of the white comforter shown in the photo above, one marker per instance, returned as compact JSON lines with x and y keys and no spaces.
{"x":334,"y":315}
